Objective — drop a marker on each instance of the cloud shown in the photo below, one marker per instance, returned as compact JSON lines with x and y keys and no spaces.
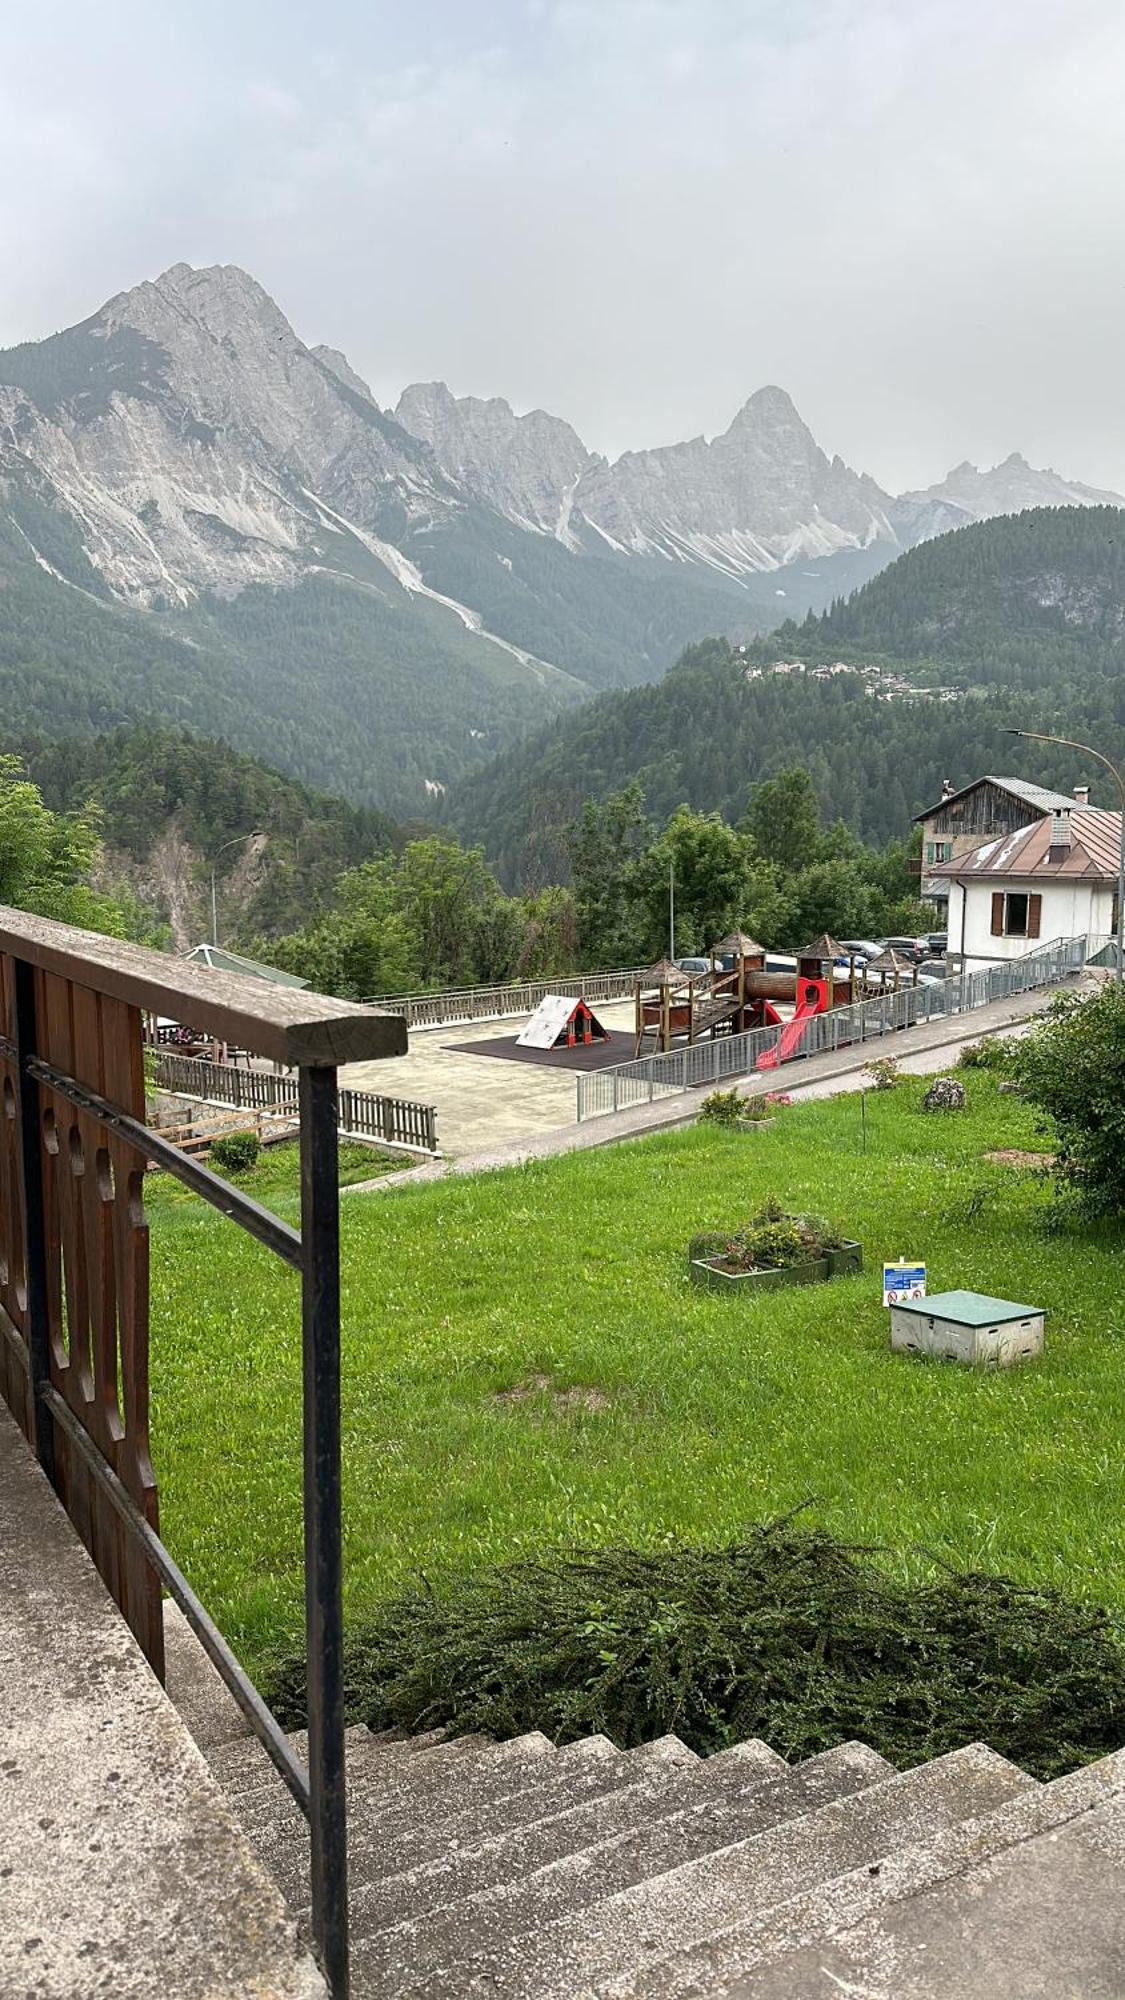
{"x":630,"y":211}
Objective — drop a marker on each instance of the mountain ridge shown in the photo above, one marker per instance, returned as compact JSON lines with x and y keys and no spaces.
{"x":1016,"y":622}
{"x":184,"y":481}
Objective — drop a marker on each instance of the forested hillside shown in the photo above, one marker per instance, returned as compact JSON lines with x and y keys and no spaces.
{"x":170,"y":805}
{"x":1026,"y":616}
{"x":1033,"y":600}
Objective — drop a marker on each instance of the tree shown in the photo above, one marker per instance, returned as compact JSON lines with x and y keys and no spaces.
{"x":1073,"y":1068}
{"x":603,"y":844}
{"x":783,"y":819}
{"x":47,"y":859}
{"x":720,"y":884}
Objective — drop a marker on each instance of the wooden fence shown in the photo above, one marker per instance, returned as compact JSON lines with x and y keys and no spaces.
{"x":393,"y":1120}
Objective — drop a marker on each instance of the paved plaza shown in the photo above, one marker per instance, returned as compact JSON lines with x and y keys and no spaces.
{"x":482,"y":1102}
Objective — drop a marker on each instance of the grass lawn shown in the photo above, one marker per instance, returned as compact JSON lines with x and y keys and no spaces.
{"x":275,"y":1178}
{"x":526,"y":1364}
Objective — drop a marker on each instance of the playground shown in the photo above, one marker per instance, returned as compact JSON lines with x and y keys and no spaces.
{"x":741,"y":990}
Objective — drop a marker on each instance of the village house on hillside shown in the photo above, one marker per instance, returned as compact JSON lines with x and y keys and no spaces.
{"x":1053,"y":877}
{"x":987,"y":808}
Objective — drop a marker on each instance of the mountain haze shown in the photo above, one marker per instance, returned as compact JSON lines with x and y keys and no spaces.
{"x":1014,"y":622}
{"x":203,"y":520}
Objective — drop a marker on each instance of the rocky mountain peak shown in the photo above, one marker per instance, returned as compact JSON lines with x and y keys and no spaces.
{"x":339,"y":365}
{"x":767,"y":407}
{"x":526,"y":467}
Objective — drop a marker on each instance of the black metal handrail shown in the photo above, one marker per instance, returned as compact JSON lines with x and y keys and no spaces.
{"x":314,"y":1035}
{"x":318,"y":1788}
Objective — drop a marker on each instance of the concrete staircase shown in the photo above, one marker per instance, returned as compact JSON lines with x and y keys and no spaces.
{"x":524,"y":1872}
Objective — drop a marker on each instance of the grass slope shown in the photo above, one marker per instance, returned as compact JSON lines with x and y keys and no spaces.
{"x":526,"y":1366}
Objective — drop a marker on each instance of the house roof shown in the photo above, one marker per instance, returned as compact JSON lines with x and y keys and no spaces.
{"x":1093,"y":854}
{"x":1039,"y":796}
{"x":233,"y":961}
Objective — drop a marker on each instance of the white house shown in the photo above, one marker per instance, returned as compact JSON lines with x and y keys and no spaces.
{"x":962,"y":818}
{"x":1053,"y":878}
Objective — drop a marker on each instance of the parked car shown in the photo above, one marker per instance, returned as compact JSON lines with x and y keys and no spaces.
{"x":694,"y":964}
{"x":916,"y":948}
{"x":938,"y":943}
{"x":864,"y":948}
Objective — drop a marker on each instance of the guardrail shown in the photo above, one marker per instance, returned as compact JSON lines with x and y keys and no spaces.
{"x":360,"y":1114}
{"x":74,"y":1297}
{"x":492,"y":1003}
{"x":601,"y":1092}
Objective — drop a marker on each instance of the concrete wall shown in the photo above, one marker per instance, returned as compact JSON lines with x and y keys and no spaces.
{"x":1070,"y":908}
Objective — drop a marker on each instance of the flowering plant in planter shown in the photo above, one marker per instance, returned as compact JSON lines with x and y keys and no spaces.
{"x":773,"y":1247}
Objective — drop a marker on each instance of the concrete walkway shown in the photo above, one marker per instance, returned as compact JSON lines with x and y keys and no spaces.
{"x":124,"y":1872}
{"x":926,"y":1049}
{"x":481,"y":1101}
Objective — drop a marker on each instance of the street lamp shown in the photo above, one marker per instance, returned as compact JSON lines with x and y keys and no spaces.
{"x":1037,"y":736}
{"x":214,"y":905}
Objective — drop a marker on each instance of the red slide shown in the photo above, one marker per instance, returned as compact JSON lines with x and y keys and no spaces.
{"x":792,"y":1031}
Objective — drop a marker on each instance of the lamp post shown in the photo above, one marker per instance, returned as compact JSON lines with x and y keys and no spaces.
{"x":1038,"y":736}
{"x":214,"y":904}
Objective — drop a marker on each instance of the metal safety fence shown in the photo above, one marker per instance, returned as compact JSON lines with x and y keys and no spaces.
{"x":493,"y":1003}
{"x":648,"y":1078}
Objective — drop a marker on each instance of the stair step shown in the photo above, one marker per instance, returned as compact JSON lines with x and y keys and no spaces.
{"x":383,"y":1804}
{"x":913,"y":1911}
{"x":626,"y":1932}
{"x":718,"y":1803}
{"x":570,"y":1808}
{"x":664,"y":1751}
{"x":382,"y":1765}
{"x":207,"y":1707}
{"x":243,"y":1766}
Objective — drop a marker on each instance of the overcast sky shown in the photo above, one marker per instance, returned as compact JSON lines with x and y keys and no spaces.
{"x":633,"y":212}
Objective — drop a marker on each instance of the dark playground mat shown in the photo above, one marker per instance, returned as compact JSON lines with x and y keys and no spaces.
{"x":594,"y":1055}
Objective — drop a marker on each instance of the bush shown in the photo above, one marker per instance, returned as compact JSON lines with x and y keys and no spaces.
{"x":723,"y":1107}
{"x":883,"y":1071}
{"x":770,"y":1241}
{"x":1073,"y":1067}
{"x":786,"y":1635}
{"x":993,"y":1053}
{"x":235,"y":1152}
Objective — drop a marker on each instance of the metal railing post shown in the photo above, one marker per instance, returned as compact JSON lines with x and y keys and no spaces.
{"x":34,"y":1240}
{"x":324,"y":1610}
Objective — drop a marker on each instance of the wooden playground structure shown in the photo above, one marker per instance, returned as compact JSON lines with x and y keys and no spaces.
{"x":675,"y":1008}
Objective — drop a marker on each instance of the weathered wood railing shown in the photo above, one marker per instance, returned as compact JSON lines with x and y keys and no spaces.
{"x":396,"y":1120}
{"x":74,"y":1294}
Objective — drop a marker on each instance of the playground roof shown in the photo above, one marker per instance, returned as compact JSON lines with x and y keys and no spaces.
{"x":739,"y":943}
{"x":664,"y":973}
{"x":890,"y":960}
{"x":823,"y":947}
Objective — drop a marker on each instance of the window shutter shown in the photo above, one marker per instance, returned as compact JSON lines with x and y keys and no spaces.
{"x":1034,"y":915}
{"x":998,"y":913}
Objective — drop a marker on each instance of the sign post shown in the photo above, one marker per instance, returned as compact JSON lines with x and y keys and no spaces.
{"x":903,"y":1281}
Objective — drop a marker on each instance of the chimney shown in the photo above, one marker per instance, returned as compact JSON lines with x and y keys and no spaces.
{"x":1081,"y":795}
{"x":1060,"y":837}
{"x":947,"y":788}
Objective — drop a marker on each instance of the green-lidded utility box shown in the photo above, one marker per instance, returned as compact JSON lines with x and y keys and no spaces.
{"x":968,"y":1326}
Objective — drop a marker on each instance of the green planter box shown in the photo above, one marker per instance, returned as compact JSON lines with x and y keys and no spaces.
{"x":839,"y":1263}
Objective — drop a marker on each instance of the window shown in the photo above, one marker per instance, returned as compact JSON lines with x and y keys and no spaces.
{"x":1016,"y":914}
